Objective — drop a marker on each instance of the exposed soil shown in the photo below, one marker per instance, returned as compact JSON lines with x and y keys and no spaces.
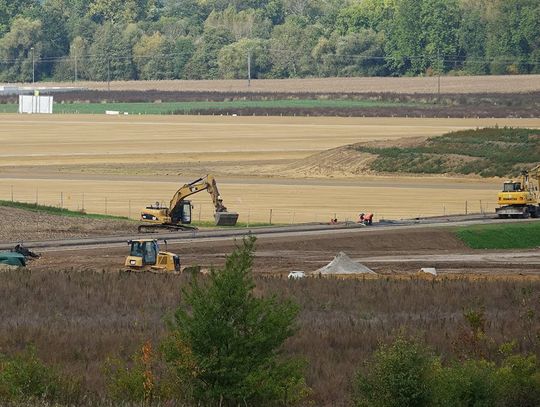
{"x":19,"y":225}
{"x":380,"y":250}
{"x":430,"y":85}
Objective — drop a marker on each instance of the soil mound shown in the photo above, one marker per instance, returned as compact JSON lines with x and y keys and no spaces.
{"x":340,"y":161}
{"x":343,"y":264}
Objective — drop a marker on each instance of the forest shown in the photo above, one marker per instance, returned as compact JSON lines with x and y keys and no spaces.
{"x":70,"y":40}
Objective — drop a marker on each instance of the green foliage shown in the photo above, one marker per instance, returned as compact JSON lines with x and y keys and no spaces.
{"x":25,"y":377}
{"x":233,"y":58}
{"x":400,"y":374}
{"x":405,"y":373}
{"x":225,"y":341}
{"x":133,"y":383}
{"x":487,"y":152}
{"x":364,"y":37}
{"x":501,"y":236}
{"x":470,"y":383}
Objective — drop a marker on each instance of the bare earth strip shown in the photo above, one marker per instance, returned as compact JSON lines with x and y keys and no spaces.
{"x":449,"y":84}
{"x":119,"y":164}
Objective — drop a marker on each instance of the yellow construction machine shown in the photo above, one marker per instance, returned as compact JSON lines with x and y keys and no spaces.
{"x":177,"y":216}
{"x":521,"y":198}
{"x":146,"y":256}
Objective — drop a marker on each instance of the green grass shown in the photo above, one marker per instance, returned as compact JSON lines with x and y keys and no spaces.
{"x":501,"y":236}
{"x":186,"y":107}
{"x":487,"y":152}
{"x":53,"y":210}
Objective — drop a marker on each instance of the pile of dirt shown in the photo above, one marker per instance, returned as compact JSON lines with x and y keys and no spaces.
{"x":343,"y":264}
{"x":20,"y":225}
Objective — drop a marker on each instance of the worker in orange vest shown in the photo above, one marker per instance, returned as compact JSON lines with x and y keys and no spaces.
{"x":368,"y":219}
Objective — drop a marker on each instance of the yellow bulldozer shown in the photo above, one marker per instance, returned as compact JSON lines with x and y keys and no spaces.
{"x":177,"y":216}
{"x":145,"y":255}
{"x":521,"y":198}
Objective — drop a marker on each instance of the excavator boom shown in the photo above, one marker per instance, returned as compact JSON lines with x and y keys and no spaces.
{"x":178,"y":214}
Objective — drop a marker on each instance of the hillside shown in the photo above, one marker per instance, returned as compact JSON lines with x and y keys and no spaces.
{"x":490,"y":152}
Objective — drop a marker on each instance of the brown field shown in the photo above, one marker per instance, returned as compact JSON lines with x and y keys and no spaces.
{"x":78,"y":319}
{"x":116,"y":165}
{"x":449,"y":84}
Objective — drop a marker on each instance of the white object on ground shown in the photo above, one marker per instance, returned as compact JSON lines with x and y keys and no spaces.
{"x":112,"y":112}
{"x":429,"y":270}
{"x":295,"y":275}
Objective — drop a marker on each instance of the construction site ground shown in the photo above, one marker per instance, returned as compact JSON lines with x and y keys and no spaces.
{"x":392,"y":252}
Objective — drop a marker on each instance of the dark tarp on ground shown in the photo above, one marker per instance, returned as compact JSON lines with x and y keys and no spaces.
{"x":12,"y":259}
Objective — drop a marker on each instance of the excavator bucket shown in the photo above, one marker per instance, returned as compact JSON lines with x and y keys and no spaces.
{"x":226,"y":218}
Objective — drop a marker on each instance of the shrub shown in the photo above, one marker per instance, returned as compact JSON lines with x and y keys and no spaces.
{"x":518,"y":381}
{"x":399,"y":375}
{"x":134,"y":383}
{"x":25,"y":377}
{"x":471,"y":383}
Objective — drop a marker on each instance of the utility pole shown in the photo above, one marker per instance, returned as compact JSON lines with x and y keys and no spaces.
{"x":438,"y":75}
{"x":75,"y":69}
{"x":249,"y":68}
{"x":33,"y":66}
{"x":109,"y":74}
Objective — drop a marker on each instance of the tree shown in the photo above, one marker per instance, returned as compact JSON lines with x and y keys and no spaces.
{"x":290,"y":48}
{"x":204,"y":63}
{"x":225,"y":342}
{"x":16,"y":50}
{"x":10,"y":9}
{"x":232,"y":59}
{"x":355,"y":54}
{"x":472,"y":37}
{"x":111,"y":55}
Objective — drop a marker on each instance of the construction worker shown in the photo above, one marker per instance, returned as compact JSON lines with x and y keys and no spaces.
{"x":368,"y":219}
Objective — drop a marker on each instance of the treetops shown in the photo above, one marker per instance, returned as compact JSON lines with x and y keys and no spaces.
{"x":195,"y":39}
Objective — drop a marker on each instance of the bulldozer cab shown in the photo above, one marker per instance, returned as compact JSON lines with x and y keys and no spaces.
{"x":147,"y":250}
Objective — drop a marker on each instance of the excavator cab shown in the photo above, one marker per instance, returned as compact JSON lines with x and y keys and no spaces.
{"x":512,"y":187}
{"x":182,"y":214}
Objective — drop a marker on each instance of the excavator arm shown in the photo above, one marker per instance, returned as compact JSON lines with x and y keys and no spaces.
{"x":208,"y":183}
{"x":205,"y":183}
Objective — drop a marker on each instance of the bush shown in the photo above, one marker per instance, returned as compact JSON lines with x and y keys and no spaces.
{"x":399,"y":375}
{"x":25,"y":377}
{"x":134,"y":383}
{"x":518,"y":381}
{"x":471,"y":383}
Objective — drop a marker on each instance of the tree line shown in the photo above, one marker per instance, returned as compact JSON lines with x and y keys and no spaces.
{"x":213,"y":39}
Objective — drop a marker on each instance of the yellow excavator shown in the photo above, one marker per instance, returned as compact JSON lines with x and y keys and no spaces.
{"x":177,"y":216}
{"x":145,"y":255}
{"x":521,"y":198}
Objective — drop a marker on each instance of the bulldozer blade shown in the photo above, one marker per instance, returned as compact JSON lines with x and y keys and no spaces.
{"x":226,"y":218}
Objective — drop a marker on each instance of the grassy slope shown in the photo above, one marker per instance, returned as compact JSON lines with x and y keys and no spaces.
{"x":487,"y":152}
{"x":53,"y":210}
{"x":180,"y":107}
{"x":501,"y":236}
